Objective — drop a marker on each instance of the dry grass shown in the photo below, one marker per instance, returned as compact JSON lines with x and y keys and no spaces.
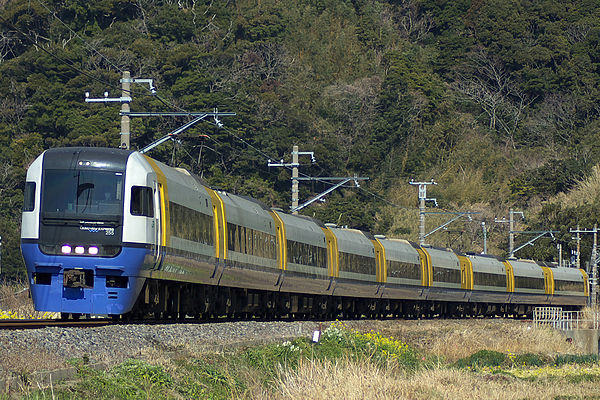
{"x":585,"y":192}
{"x":22,"y":359}
{"x":589,"y":318}
{"x":456,"y":339}
{"x":14,"y":296}
{"x":346,"y":380}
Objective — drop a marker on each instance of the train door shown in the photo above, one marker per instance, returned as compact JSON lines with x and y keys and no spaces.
{"x":158,"y":228}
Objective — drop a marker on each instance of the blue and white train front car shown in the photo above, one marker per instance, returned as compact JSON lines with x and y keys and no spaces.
{"x":88,"y":228}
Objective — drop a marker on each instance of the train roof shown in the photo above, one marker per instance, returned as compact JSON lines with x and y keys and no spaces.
{"x":116,"y":158}
{"x":86,"y":158}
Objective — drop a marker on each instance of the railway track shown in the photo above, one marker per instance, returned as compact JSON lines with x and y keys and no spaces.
{"x":15,"y":324}
{"x":44,"y":323}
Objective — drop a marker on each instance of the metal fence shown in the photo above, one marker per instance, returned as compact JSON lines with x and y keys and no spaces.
{"x":555,"y":317}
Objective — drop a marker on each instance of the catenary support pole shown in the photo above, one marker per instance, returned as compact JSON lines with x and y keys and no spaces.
{"x":125,"y":121}
{"x":484,"y":237}
{"x":595,"y":269}
{"x":295,"y":194}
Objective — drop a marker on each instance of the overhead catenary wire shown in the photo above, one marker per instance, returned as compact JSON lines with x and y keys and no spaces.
{"x":92,"y":48}
{"x":89,"y":46}
{"x":62,"y":60}
{"x":159,"y":98}
{"x":374,"y":195}
{"x":165,"y":102}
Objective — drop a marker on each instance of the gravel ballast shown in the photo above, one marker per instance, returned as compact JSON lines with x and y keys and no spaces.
{"x":40,"y":349}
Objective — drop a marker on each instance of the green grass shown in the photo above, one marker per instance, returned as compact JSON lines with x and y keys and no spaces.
{"x":488,"y":358}
{"x":239,"y":373}
{"x":233,"y":374}
{"x":581,"y":359}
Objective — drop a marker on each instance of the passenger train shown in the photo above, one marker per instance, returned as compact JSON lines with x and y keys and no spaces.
{"x":114,"y":232}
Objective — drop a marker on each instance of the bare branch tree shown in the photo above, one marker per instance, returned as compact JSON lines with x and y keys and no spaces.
{"x":13,"y":105}
{"x":578,"y":32}
{"x":8,"y":178}
{"x":356,"y":106}
{"x":485,"y":82}
{"x":411,"y":21}
{"x":6,"y":45}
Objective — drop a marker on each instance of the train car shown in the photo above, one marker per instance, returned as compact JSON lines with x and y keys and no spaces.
{"x":306,"y":265}
{"x":357,"y":264}
{"x":489,"y":282}
{"x":251,"y":258}
{"x":568,"y":286}
{"x":446,"y":279}
{"x":529,"y":282}
{"x":404,"y":274}
{"x":114,"y":232}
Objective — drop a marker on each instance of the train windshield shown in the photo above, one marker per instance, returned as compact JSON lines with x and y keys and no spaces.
{"x":82,"y":194}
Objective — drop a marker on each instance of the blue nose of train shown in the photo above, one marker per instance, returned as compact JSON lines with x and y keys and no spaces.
{"x":84,"y":285}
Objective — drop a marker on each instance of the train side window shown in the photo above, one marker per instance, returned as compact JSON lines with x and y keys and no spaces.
{"x":29,"y":197}
{"x":142,"y":201}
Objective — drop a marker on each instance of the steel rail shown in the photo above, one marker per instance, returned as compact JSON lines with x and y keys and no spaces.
{"x":44,"y":323}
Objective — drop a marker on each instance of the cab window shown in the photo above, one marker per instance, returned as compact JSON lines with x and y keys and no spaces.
{"x":142,"y":203}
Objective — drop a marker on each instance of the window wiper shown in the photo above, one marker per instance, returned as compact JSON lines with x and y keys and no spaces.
{"x":82,"y":188}
{"x":60,"y":221}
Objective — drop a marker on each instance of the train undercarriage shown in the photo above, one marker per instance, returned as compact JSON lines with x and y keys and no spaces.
{"x":169,"y":300}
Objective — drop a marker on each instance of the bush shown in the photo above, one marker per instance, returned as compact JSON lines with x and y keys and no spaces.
{"x":483,"y":358}
{"x":575,"y":359}
{"x":530,"y":360}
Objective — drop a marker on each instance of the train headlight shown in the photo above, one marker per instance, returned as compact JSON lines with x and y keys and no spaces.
{"x":65,"y":249}
{"x":93,"y":250}
{"x":79,"y":250}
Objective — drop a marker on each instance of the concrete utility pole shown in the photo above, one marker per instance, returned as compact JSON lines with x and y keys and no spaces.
{"x":126,"y":113}
{"x":595,"y":269}
{"x":295,"y":179}
{"x":559,"y":248}
{"x":484,"y":237}
{"x":578,"y":239}
{"x":295,"y":165}
{"x":422,"y":198}
{"x":593,"y":264}
{"x":511,"y":229}
{"x":125,"y":126}
{"x":511,"y":234}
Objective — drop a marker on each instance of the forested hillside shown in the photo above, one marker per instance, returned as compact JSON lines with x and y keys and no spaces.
{"x":496,"y":101}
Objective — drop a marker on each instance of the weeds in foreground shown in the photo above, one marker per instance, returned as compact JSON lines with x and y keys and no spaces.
{"x":16,"y":304}
{"x":344,"y":364}
{"x":242,"y":373}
